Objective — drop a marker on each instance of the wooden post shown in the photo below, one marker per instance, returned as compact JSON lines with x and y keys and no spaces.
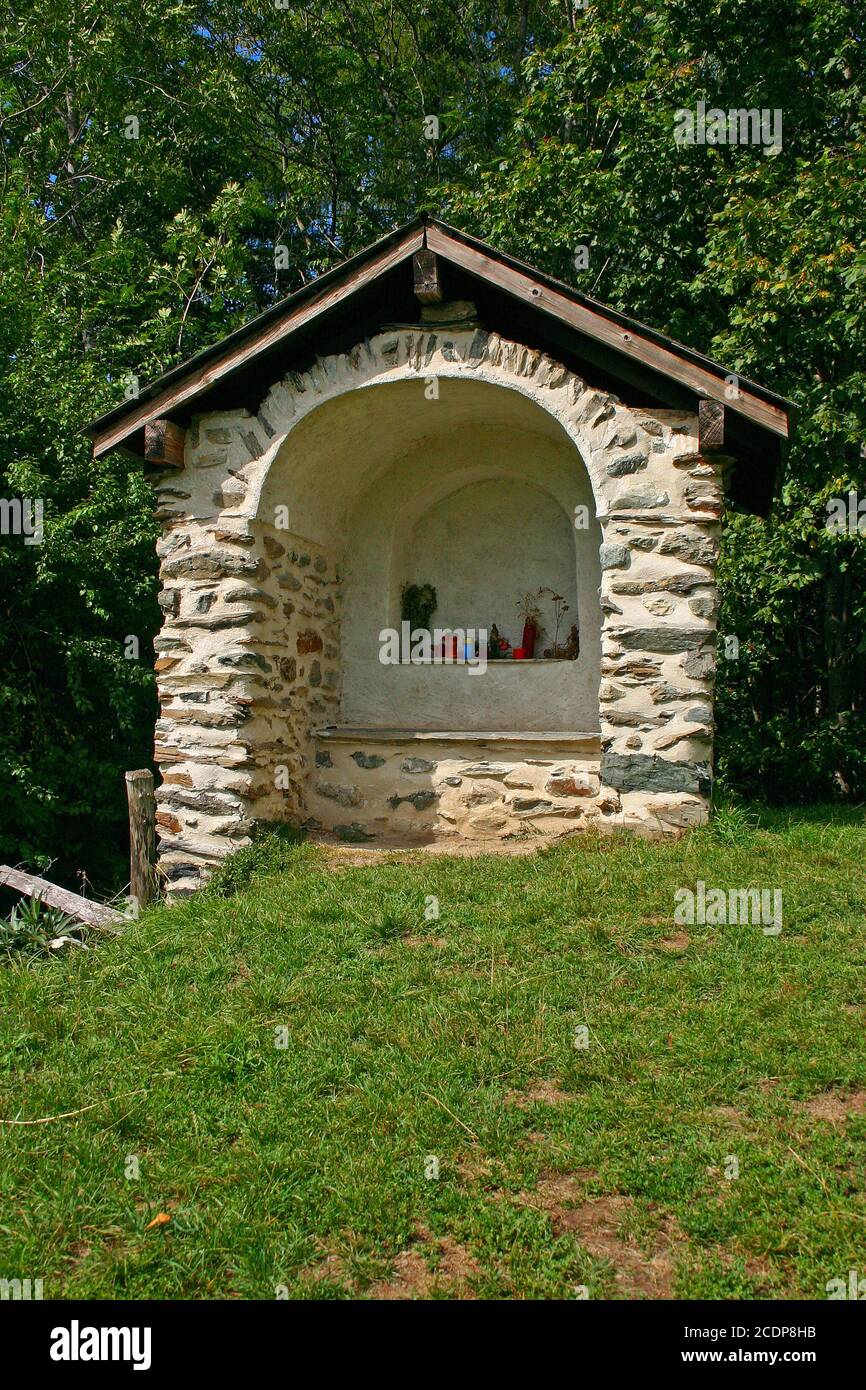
{"x":142,"y":836}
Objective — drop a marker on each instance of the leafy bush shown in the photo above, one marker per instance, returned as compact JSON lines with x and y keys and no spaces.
{"x":273,"y":847}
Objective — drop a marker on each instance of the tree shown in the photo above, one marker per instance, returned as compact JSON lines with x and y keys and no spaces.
{"x":756,"y":260}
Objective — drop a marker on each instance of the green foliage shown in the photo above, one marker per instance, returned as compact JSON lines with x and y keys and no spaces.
{"x":758,"y":261}
{"x":272,"y":848}
{"x":299,"y":128}
{"x":417,"y":605}
{"x":30,"y":927}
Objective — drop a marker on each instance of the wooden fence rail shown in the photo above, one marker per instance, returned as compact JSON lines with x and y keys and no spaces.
{"x":82,"y":909}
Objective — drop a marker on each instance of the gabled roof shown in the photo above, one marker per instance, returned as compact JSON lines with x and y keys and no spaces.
{"x":375,"y":287}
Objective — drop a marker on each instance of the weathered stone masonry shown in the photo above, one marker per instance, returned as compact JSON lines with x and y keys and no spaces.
{"x":248,"y":658}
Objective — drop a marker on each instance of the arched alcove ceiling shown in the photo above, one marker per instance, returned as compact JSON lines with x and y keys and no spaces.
{"x":335,"y":454}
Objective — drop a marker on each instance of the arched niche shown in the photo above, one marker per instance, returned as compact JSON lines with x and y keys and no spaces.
{"x":483,"y":508}
{"x":482,"y":546}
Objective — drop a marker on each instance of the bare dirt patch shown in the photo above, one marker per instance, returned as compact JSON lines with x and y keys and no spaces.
{"x":834,"y":1107}
{"x":341,"y":856}
{"x":331,"y":1269}
{"x":760,"y":1271}
{"x":413,"y":941}
{"x":676,"y":944}
{"x":757,"y":1267}
{"x":474,"y":1167}
{"x":596,"y":1224}
{"x":79,"y":1251}
{"x":545,"y":1092}
{"x":430,"y":1266}
{"x":413,"y":1278}
{"x":731,"y":1115}
{"x":410,"y":1278}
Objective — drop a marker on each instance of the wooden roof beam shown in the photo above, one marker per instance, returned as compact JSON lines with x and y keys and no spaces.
{"x":631,"y":342}
{"x":164,"y":444}
{"x":426,"y":281}
{"x":192,"y":383}
{"x":711,"y":427}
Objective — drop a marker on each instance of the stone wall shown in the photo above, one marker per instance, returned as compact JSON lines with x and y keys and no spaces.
{"x":387,"y":790}
{"x":248,"y":658}
{"x":247,"y":664}
{"x":660,"y":602}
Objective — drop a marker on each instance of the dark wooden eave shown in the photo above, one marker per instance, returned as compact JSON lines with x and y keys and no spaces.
{"x":375,"y":288}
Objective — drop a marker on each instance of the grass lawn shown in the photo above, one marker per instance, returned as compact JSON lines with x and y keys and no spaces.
{"x":712,"y":1051}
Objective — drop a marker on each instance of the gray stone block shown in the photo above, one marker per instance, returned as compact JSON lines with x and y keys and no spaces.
{"x":643,"y":772}
{"x":614,"y":556}
{"x":343,"y":795}
{"x":660,"y":638}
{"x":629,"y":463}
{"x":368,"y":760}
